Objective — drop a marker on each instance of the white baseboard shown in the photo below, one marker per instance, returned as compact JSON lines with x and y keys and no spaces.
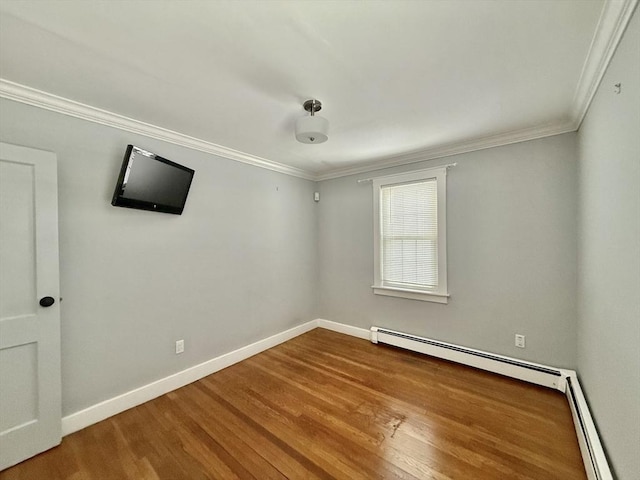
{"x":593,"y":456}
{"x":342,"y":328}
{"x":112,"y":406}
{"x":591,"y":449}
{"x":103,"y":410}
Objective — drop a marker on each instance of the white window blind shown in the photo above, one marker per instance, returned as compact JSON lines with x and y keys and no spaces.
{"x":410,"y":241}
{"x":409,"y":235}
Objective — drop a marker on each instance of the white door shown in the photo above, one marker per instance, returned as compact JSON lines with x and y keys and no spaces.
{"x":30,"y":415}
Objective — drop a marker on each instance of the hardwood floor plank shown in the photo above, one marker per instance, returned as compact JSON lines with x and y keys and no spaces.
{"x":260,"y":442}
{"x":197,"y":406}
{"x":329,"y":406}
{"x":287,"y":435}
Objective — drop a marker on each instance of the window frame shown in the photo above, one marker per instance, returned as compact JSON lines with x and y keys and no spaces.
{"x":440,"y":294}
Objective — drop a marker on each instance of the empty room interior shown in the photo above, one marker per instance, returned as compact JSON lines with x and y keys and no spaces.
{"x":320,"y":239}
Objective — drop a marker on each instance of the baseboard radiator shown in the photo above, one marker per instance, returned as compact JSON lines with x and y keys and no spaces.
{"x":593,"y":456}
{"x":566,"y":381}
{"x":511,"y":367}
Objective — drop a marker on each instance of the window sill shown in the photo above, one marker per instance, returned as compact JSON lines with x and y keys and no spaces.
{"x":412,"y":294}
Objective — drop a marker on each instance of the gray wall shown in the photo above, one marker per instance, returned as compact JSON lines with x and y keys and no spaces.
{"x":511,"y":236}
{"x":609,"y":257}
{"x":239,"y":265}
{"x":540,"y":243}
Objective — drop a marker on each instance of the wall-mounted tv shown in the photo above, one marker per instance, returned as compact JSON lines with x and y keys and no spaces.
{"x":150,"y":182}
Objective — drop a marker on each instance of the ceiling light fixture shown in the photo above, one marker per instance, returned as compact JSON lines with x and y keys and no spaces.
{"x":312,"y":129}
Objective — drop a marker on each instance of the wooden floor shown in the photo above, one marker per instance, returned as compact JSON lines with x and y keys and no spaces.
{"x":325,"y":405}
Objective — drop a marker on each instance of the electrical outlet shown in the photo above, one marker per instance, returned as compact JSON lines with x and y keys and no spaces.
{"x":179,"y":346}
{"x":520,"y":341}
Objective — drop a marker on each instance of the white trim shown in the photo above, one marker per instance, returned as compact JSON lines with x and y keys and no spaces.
{"x":591,"y":450}
{"x":342,"y":328}
{"x":103,"y":410}
{"x":411,"y":294}
{"x":400,"y":174}
{"x":613,"y":21}
{"x":612,"y":24}
{"x":456,"y":148}
{"x":440,"y":294}
{"x":593,"y":456}
{"x":37,"y":98}
{"x":587,"y":438}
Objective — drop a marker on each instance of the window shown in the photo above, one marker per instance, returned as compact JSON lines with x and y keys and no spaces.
{"x":410,"y":235}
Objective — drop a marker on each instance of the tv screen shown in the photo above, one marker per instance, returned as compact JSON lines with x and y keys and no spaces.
{"x":150,"y":182}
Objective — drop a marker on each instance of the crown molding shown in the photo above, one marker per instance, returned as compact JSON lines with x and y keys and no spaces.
{"x":37,"y":98}
{"x":457,"y":148}
{"x":614,"y":19}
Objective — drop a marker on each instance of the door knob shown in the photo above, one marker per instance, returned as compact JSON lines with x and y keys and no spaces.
{"x":46,"y":301}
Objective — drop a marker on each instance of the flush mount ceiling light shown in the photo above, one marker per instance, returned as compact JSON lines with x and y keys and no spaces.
{"x":312,"y":129}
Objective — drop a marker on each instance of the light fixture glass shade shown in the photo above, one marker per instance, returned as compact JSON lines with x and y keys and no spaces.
{"x":312,"y":129}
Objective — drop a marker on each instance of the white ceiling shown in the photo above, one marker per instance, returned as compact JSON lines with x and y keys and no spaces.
{"x":394,"y":77}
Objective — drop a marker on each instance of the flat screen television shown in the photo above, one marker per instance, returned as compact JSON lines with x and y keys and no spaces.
{"x":150,"y":182}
